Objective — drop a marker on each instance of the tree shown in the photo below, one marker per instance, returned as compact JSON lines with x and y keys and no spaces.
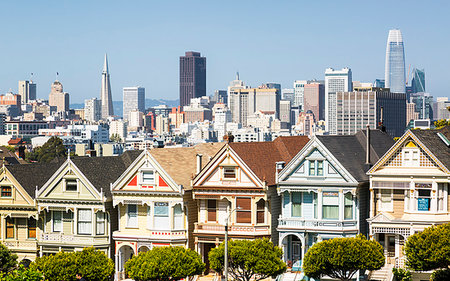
{"x":115,"y":138}
{"x":402,"y":274}
{"x":440,"y":275}
{"x":92,"y":263}
{"x":249,"y":259}
{"x":8,"y":260}
{"x":341,"y":258}
{"x":53,"y":148}
{"x":430,"y":249}
{"x":439,"y":124}
{"x":22,"y":273}
{"x":164,"y":263}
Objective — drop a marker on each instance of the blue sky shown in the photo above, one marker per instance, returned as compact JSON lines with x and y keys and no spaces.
{"x":265,"y":41}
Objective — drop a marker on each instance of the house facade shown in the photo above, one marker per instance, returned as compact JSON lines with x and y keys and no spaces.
{"x":324,"y":190}
{"x":152,"y":202}
{"x":238,"y":185}
{"x":409,"y":189}
{"x":75,"y":204}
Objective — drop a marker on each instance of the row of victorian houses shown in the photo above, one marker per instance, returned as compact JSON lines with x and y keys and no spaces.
{"x":295,"y":190}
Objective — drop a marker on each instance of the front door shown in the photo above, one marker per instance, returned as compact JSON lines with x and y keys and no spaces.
{"x":206,"y":248}
{"x":296,"y":251}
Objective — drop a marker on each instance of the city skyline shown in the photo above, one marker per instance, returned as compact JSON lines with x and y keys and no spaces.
{"x":360,"y":46}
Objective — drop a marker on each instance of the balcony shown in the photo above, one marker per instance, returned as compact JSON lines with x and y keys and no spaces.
{"x":22,"y":245}
{"x":315,"y":224}
{"x":232,"y":229}
{"x":72,"y":239}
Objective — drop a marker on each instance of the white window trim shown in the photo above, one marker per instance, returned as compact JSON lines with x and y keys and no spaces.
{"x":128,"y":218}
{"x":235,"y":173}
{"x":141,"y":177}
{"x":390,"y":208}
{"x":410,"y":162}
{"x":65,"y":184}
{"x":52,"y":221}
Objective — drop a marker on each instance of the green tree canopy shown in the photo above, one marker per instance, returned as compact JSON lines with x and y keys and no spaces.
{"x":52,"y":149}
{"x":247,"y":259}
{"x":164,"y":263}
{"x":115,"y":138}
{"x":439,"y":124}
{"x":429,"y":249}
{"x":8,"y":260}
{"x":22,"y":274}
{"x":341,"y":258}
{"x":92,"y":263}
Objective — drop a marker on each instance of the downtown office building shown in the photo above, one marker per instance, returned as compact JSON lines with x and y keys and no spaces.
{"x":395,"y":62}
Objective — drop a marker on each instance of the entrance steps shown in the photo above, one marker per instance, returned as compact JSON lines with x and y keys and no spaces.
{"x":292,"y":276}
{"x":383,"y":274}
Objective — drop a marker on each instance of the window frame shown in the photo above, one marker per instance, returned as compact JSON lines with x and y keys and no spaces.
{"x":410,"y":161}
{"x":299,"y":204}
{"x":241,"y":210}
{"x":233,"y":173}
{"x":384,"y":204}
{"x":260,"y":210}
{"x":66,"y":180}
{"x":178,"y":216}
{"x":145,"y":181}
{"x":97,"y":222}
{"x":54,"y":221}
{"x":3,"y":191}
{"x":28,"y":228}
{"x":349,"y":205}
{"x":84,"y":221}
{"x":128,"y":224}
{"x":10,"y":224}
{"x":330,"y":205}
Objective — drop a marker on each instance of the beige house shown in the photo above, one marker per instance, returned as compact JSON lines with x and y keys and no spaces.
{"x":19,"y":225}
{"x":152,"y":202}
{"x":409,"y":189}
{"x":75,"y":204}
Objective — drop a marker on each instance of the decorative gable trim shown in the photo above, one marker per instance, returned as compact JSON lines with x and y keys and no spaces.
{"x":6,"y":174}
{"x":391,"y":153}
{"x":313,"y":144}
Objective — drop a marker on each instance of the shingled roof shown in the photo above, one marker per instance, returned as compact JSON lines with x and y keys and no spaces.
{"x":261,"y":157}
{"x":180,"y":162}
{"x":435,"y":144}
{"x":350,"y":150}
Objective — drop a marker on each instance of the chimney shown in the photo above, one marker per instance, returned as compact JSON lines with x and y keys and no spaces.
{"x":199,"y":163}
{"x":228,"y":137}
{"x":280,"y":165}
{"x":368,"y":144}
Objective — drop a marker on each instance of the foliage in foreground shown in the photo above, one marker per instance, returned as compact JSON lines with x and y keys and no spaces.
{"x":164,"y":263}
{"x":430,"y":249}
{"x":249,"y":259}
{"x":22,"y":274}
{"x":53,"y":148}
{"x":92,"y":263}
{"x":402,"y":274}
{"x":441,"y":275}
{"x":8,"y":260}
{"x":341,"y":258}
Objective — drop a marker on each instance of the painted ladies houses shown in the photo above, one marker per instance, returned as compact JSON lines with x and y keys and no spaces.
{"x":19,"y":225}
{"x":75,"y":204}
{"x":324,"y":190}
{"x":409,"y":189}
{"x":152,"y":201}
{"x":239,"y":184}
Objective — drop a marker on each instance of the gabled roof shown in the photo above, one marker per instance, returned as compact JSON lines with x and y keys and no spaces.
{"x":31,"y":176}
{"x":180,"y":162}
{"x":435,"y":144}
{"x":261,"y":157}
{"x":350,"y":150}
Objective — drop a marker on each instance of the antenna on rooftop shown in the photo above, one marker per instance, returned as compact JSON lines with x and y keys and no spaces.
{"x":57,"y":74}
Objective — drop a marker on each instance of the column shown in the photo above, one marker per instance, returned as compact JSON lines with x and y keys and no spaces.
{"x":341,"y":205}
{"x":371,"y":203}
{"x":412,"y":199}
{"x":434,"y":196}
{"x":397,"y":245}
{"x":116,"y":265}
{"x":319,"y":204}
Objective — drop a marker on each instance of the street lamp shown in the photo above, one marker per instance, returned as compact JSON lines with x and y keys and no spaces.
{"x":226,"y":242}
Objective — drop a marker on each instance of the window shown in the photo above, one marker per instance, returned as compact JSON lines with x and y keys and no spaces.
{"x":260,"y":211}
{"x":423,"y":200}
{"x":100,"y":220}
{"x":315,"y":205}
{"x":348,"y":206}
{"x":71,"y":185}
{"x":296,"y":210}
{"x":9,"y":228}
{"x":177,"y":217}
{"x":148,"y":177}
{"x":6,"y":191}
{"x":57,"y":221}
{"x":31,"y":228}
{"x":411,"y":157}
{"x":386,"y":203}
{"x":312,"y":168}
{"x":211,"y":210}
{"x":84,"y":221}
{"x":244,"y":213}
{"x":316,"y":167}
{"x":161,"y":215}
{"x":330,"y":208}
{"x":320,"y":168}
{"x":132,"y":216}
{"x":229,"y":173}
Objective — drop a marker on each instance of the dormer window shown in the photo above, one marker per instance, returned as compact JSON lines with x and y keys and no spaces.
{"x":6,"y":192}
{"x":411,"y":155}
{"x":148,"y":177}
{"x":229,"y":173}
{"x":71,"y":184}
{"x":316,"y":167}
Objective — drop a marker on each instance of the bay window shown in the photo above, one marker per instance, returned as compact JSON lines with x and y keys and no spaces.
{"x":177,"y":217}
{"x":85,"y":221}
{"x":348,"y":206}
{"x":244,"y":213}
{"x":330,"y":205}
{"x":100,"y":223}
{"x":10,"y":229}
{"x":386,"y":202}
{"x":57,"y":221}
{"x":296,"y":210}
{"x":260,"y":211}
{"x":132,"y":215}
{"x":31,"y":223}
{"x":161,"y":215}
{"x":211,"y":209}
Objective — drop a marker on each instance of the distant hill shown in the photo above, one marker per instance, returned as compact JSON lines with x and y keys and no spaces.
{"x":118,"y":105}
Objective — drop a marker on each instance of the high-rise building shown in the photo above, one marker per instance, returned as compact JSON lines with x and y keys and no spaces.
{"x":379,"y":83}
{"x":234,"y":85}
{"x":299,"y":86}
{"x":58,"y":97}
{"x":27,"y":89}
{"x":355,"y":110}
{"x":418,"y":81}
{"x":106,"y":97}
{"x":411,"y":113}
{"x":135,"y":119}
{"x":285,"y":112}
{"x":133,"y":99}
{"x":220,"y":96}
{"x":335,"y":81}
{"x":441,"y":111}
{"x":288,"y":94}
{"x":192,"y":77}
{"x":424,"y":105}
{"x":118,"y":127}
{"x":93,"y":110}
{"x":314,"y":100}
{"x":394,"y":73}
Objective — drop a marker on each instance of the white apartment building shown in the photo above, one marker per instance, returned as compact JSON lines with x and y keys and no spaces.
{"x":93,"y":110}
{"x":135,"y":119}
{"x":118,"y":127}
{"x":80,"y":133}
{"x":299,"y":89}
{"x":133,"y":98}
{"x":335,"y":81}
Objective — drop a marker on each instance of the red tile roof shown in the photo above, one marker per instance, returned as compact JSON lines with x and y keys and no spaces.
{"x":261,"y":157}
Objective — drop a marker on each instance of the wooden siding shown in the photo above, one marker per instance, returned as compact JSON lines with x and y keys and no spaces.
{"x":399,"y":203}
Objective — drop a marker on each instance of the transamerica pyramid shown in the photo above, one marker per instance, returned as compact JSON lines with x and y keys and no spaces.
{"x":107,"y":107}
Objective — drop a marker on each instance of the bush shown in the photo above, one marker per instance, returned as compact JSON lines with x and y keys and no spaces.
{"x":93,"y":264}
{"x":401,"y":274}
{"x":8,"y":260}
{"x":23,"y":274}
{"x":441,"y":275}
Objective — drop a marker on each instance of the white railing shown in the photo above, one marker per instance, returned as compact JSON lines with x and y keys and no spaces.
{"x":16,"y":244}
{"x":242,"y":229}
{"x":70,"y":238}
{"x":318,"y":224}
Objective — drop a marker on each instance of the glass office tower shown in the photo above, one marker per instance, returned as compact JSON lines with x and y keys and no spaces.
{"x":395,"y":62}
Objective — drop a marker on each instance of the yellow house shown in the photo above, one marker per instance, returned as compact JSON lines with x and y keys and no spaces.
{"x":18,"y":211}
{"x":152,"y":200}
{"x":75,"y":204}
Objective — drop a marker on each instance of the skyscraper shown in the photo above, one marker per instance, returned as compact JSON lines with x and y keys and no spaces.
{"x":192,"y":77}
{"x":335,"y":81}
{"x":418,"y":81}
{"x":93,"y":110}
{"x":394,"y":73}
{"x":133,"y":99}
{"x":106,"y":97}
{"x":58,"y":97}
{"x":27,"y":89}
